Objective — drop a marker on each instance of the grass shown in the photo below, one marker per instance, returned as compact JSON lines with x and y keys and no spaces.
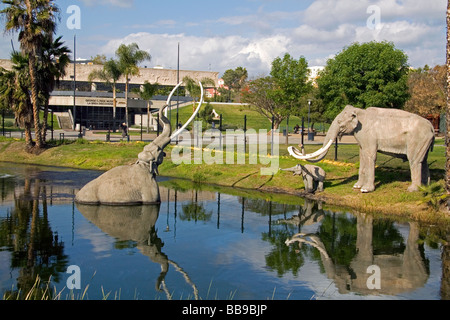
{"x":392,"y":175}
{"x":233,"y":117}
{"x":392,"y":180}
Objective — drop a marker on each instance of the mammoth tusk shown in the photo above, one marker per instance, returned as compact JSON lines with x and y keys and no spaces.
{"x":179,"y":131}
{"x":319,"y":153}
{"x":169,"y":99}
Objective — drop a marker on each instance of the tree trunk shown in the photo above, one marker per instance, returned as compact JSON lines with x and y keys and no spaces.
{"x":447,"y":138}
{"x":34,"y":85}
{"x":28,"y":137}
{"x":34,"y":101}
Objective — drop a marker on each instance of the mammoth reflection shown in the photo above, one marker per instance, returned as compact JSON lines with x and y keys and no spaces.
{"x":403,"y":266}
{"x":137,"y":224}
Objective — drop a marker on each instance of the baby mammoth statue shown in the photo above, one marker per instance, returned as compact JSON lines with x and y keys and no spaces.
{"x":313,"y":176}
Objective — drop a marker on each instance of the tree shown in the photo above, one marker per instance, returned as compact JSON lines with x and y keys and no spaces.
{"x":259,"y":94}
{"x":110,"y":73}
{"x":55,"y":59}
{"x":428,"y":91}
{"x":365,"y":75}
{"x":129,"y":57}
{"x":33,"y":20}
{"x":292,"y":88}
{"x":193,"y":87}
{"x":148,"y":90}
{"x":283,"y":92}
{"x":235,"y":80}
{"x":14,"y":92}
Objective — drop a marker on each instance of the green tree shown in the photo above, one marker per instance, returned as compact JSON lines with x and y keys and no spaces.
{"x":147,"y":92}
{"x":193,"y":88}
{"x":291,"y":79}
{"x":235,"y":80}
{"x":129,"y":57}
{"x":14,"y":93}
{"x":283,"y":92}
{"x":373,"y":74}
{"x":33,"y":20}
{"x":260,"y":95}
{"x":110,"y":73}
{"x":292,"y":88}
{"x":53,"y":66}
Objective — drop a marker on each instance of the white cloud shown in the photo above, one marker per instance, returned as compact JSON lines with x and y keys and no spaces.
{"x":320,"y":32}
{"x":202,"y":53}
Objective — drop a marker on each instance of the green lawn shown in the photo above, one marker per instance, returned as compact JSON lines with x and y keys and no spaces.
{"x":233,"y":117}
{"x":392,"y":175}
{"x":9,"y":122}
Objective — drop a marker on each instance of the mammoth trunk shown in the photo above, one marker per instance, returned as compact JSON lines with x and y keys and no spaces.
{"x":322,"y":152}
{"x":332,"y":134}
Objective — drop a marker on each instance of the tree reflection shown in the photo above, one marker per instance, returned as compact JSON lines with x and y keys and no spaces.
{"x":36,"y":251}
{"x":284,"y":258}
{"x":195,"y":211}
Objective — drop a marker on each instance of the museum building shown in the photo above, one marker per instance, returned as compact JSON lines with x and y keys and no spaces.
{"x":78,"y":101}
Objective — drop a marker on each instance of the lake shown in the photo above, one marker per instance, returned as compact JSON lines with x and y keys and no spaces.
{"x":207,"y":243}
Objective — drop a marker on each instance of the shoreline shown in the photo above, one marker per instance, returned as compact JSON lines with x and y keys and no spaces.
{"x":390,"y":198}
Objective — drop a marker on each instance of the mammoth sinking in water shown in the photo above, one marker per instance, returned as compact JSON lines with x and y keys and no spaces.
{"x":390,"y":131}
{"x":135,"y":184}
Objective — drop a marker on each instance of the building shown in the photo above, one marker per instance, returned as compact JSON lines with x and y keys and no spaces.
{"x":92,"y":105}
{"x":314,"y":73}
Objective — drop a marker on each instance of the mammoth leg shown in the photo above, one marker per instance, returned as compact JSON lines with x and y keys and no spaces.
{"x":309,"y":183}
{"x":368,"y":159}
{"x":320,"y":186}
{"x":362,"y":172}
{"x":425,"y":173}
{"x":416,"y":176}
{"x":418,"y":162}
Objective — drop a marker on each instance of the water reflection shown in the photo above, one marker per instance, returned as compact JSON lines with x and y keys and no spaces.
{"x":137,"y":224}
{"x":347,"y":249}
{"x":26,"y":232}
{"x":287,"y":238}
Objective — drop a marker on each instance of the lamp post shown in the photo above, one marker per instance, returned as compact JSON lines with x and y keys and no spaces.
{"x":310,"y":134}
{"x":309,"y":112}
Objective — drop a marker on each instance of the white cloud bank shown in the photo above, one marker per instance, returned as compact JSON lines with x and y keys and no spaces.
{"x":322,"y":30}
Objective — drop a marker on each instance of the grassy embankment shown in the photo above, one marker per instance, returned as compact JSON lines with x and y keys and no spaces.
{"x":392,"y":175}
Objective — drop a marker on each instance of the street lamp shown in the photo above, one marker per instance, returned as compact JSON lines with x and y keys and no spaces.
{"x":309,"y":120}
{"x":309,"y":112}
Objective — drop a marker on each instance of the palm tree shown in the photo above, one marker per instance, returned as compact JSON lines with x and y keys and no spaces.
{"x":129,"y":57}
{"x":147,"y":92}
{"x":52,"y":68}
{"x":194,"y":89}
{"x":110,"y":73}
{"x":14,"y":92}
{"x":33,"y":20}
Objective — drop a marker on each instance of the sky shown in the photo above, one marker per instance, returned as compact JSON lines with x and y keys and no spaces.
{"x":222,"y":35}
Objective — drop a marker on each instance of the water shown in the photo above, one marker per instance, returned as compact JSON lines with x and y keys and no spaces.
{"x":206,"y":243}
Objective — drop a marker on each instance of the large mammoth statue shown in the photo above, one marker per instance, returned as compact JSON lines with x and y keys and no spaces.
{"x":135,"y":184}
{"x":390,"y":131}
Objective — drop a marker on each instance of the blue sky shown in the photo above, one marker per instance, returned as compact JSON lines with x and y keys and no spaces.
{"x":219,"y":35}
